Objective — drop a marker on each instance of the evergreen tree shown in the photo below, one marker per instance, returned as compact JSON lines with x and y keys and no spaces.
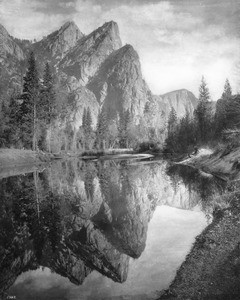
{"x":84,"y":118}
{"x":172,"y":120}
{"x":47,"y":107}
{"x":87,"y":127}
{"x":123,"y":128}
{"x":102,"y":130}
{"x":204,"y":95}
{"x":3,"y":126}
{"x":227,"y":93}
{"x":30,"y":99}
{"x":203,"y":112}
{"x":12,"y":118}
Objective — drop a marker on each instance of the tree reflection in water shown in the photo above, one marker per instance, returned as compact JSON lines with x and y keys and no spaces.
{"x":77,"y":217}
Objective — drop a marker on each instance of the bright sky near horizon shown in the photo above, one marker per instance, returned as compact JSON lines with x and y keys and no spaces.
{"x":178,"y":41}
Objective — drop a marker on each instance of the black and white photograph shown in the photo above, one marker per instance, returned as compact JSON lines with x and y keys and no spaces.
{"x":119,"y":149}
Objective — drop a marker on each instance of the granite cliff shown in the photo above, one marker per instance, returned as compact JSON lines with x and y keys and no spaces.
{"x":99,"y":73}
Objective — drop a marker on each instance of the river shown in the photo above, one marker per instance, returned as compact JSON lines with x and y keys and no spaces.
{"x":100,"y":230}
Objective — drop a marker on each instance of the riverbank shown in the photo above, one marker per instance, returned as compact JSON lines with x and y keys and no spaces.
{"x":20,"y":157}
{"x":224,"y":164}
{"x":19,"y":161}
{"x":212,"y":268}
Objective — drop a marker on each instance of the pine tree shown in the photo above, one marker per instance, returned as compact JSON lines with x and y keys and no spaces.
{"x":84,"y":118}
{"x":102,"y":130}
{"x":123,"y":128}
{"x":30,"y":98}
{"x":47,"y":110}
{"x":172,"y":120}
{"x":227,"y":93}
{"x":204,"y":95}
{"x":3,"y":124}
{"x":12,"y":119}
{"x":87,"y":126}
{"x":88,"y":122}
{"x":203,"y":112}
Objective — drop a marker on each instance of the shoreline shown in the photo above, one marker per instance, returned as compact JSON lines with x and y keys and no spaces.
{"x":19,"y":161}
{"x":225,"y":166}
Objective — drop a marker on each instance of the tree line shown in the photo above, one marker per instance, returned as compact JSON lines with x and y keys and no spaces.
{"x":206,"y":126}
{"x":27,"y":118}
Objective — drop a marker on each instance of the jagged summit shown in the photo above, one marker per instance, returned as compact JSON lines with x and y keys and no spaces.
{"x":69,"y":24}
{"x":85,"y":58}
{"x":60,"y":41}
{"x":109,"y":29}
{"x":8,"y":45}
{"x":3,"y":31}
{"x":99,"y":73}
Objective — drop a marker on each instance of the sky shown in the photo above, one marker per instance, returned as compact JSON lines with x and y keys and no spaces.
{"x":178,"y":41}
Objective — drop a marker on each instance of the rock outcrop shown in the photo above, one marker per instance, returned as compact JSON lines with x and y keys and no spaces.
{"x":57,"y":44}
{"x":119,"y":84}
{"x":98,"y":73}
{"x":85,"y":58}
{"x":8,"y":46}
{"x":181,"y":100}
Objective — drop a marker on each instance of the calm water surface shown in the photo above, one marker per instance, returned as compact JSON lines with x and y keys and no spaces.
{"x":99,"y":230}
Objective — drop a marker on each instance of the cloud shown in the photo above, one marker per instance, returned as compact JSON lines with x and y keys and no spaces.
{"x":178,"y":41}
{"x":176,"y":46}
{"x":23,"y":19}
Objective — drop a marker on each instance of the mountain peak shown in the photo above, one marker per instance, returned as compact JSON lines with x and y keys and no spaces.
{"x":8,"y":45}
{"x":62,"y":40}
{"x":85,"y":58}
{"x":181,"y":100}
{"x":111,"y":29}
{"x":3,"y":31}
{"x":110,"y":24}
{"x":67,"y":25}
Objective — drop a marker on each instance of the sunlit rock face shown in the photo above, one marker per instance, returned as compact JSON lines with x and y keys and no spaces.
{"x":98,"y":72}
{"x":58,"y":43}
{"x":12,"y":57}
{"x":8,"y":46}
{"x":119,"y":84}
{"x":181,"y":100}
{"x":85,"y":58}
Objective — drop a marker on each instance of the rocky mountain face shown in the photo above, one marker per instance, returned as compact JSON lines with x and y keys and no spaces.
{"x":90,"y":52}
{"x":57,"y":44}
{"x":99,"y":73}
{"x":181,"y":100}
{"x":8,"y":46}
{"x":12,"y":57}
{"x":119,"y":85}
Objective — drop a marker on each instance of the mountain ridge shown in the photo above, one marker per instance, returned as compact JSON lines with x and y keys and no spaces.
{"x":109,"y":72}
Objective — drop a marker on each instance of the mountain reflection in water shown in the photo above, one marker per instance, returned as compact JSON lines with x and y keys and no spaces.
{"x":75,"y":218}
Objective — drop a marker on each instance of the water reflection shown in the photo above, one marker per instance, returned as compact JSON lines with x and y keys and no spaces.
{"x":78,"y":217}
{"x":206,"y":187}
